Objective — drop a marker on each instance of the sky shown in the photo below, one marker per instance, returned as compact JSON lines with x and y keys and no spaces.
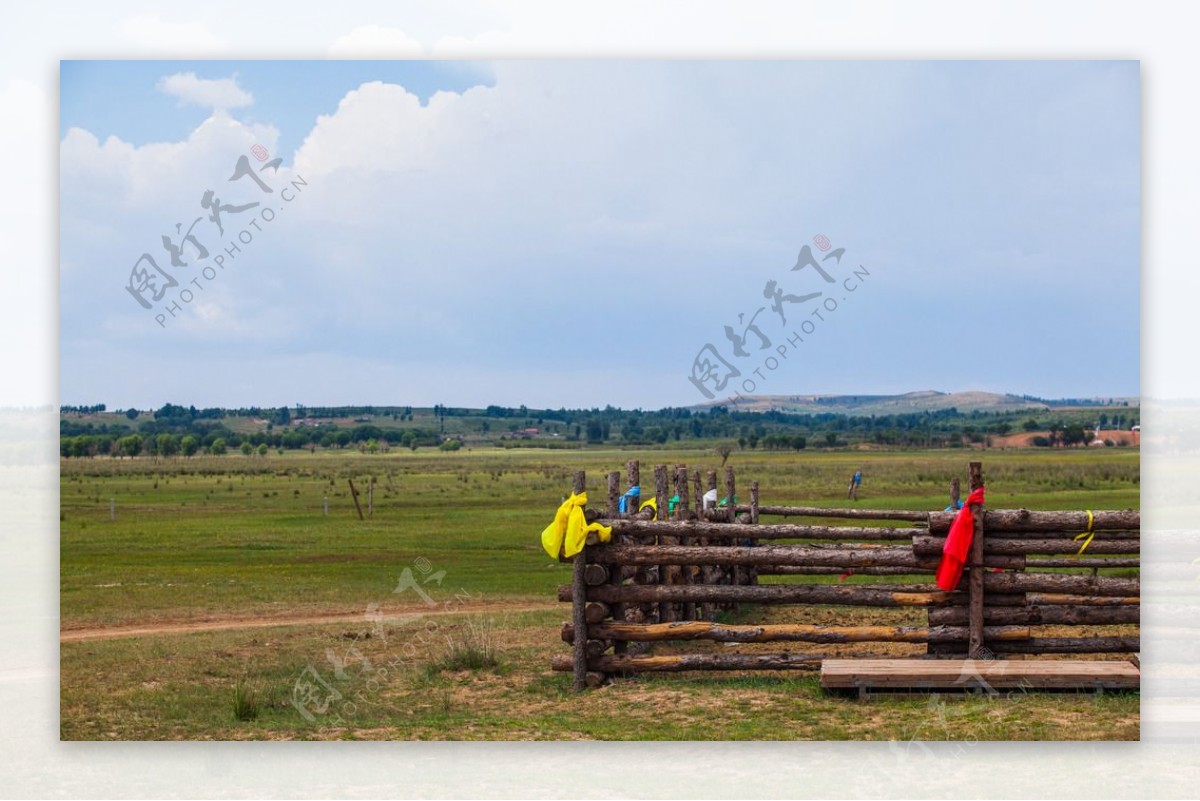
{"x":581,"y":233}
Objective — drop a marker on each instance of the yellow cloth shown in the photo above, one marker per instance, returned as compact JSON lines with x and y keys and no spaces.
{"x":1089,"y":534}
{"x":568,"y":533}
{"x":650,"y":504}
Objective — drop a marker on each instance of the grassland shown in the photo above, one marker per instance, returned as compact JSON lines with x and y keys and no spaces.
{"x":218,"y":543}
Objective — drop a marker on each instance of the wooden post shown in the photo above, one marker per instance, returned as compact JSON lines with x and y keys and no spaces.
{"x":712,"y":575}
{"x":614,"y":493}
{"x":730,"y":491}
{"x":660,"y":491}
{"x":633,"y":477}
{"x":955,"y":492}
{"x":616,"y":574}
{"x":661,"y":484}
{"x":681,"y":489}
{"x":371,"y":496}
{"x":975,"y":580}
{"x":753,"y":521}
{"x":354,"y":495}
{"x":579,"y":602}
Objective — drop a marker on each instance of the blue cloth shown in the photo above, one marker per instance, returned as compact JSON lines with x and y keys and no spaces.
{"x":633,"y":493}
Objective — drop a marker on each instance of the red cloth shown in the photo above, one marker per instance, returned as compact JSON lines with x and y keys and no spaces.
{"x":958,"y":544}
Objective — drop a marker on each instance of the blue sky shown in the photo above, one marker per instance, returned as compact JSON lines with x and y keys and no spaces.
{"x":122,"y":98}
{"x":526,"y":232}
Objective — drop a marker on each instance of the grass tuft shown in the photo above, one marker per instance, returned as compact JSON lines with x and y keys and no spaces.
{"x":475,"y":650}
{"x":246,"y":701}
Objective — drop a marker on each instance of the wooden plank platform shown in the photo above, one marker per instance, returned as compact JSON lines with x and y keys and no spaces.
{"x":970,"y":674}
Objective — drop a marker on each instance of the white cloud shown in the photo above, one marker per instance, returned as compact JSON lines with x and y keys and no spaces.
{"x":376,"y":41}
{"x":222,"y":93}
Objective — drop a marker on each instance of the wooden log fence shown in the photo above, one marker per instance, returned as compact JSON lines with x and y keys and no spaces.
{"x":666,"y":575}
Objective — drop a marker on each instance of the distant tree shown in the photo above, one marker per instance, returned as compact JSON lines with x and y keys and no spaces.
{"x":132,"y":414}
{"x":246,"y":448}
{"x":168,"y":444}
{"x":753,"y":441}
{"x":831,"y":439}
{"x":799,"y":442}
{"x":1073,"y":435}
{"x":189,"y":445}
{"x":723,"y":450}
{"x":262,"y":449}
{"x":131,"y":445}
{"x":218,"y":447}
{"x":1030,"y":425}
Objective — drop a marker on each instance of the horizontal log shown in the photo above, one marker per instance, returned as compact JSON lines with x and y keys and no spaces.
{"x":1025,"y":520}
{"x":1068,"y":645}
{"x":791,"y":632}
{"x":1083,"y":561}
{"x":863,"y":595}
{"x":1076,"y":600}
{"x":782,"y":531}
{"x":852,"y":514}
{"x":802,"y":570}
{"x":1050,"y":614}
{"x":1115,"y":534}
{"x":628,"y":663}
{"x":806,"y":555}
{"x":897,"y":556}
{"x":930,"y":545}
{"x":1054,"y":582}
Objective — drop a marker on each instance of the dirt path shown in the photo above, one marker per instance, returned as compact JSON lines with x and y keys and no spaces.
{"x":224,"y":623}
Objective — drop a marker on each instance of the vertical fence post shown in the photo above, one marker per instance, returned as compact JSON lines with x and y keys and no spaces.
{"x":975,"y":586}
{"x":681,"y":489}
{"x":753,"y":521}
{"x":579,"y":602}
{"x":665,"y":608}
{"x":633,"y":470}
{"x":730,"y":491}
{"x":614,"y":493}
{"x":616,"y":573}
{"x":733,"y":574}
{"x":712,"y":573}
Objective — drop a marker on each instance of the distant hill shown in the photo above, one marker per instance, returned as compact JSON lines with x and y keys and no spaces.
{"x":911,"y":402}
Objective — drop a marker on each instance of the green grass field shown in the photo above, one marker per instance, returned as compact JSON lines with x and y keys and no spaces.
{"x":222,"y":540}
